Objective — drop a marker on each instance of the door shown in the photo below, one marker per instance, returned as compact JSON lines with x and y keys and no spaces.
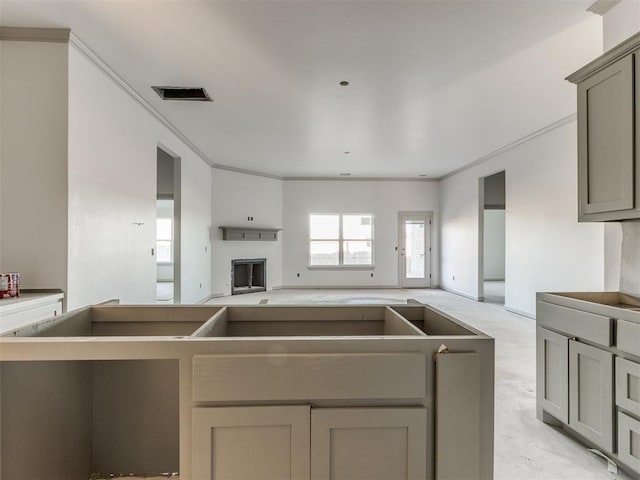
{"x":251,"y":442}
{"x":415,"y":249}
{"x":591,"y":393}
{"x":368,"y":443}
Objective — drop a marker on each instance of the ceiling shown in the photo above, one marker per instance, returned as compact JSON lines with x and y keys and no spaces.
{"x":434,"y":85}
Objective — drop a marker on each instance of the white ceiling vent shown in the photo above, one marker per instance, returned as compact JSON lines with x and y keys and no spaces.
{"x":183,"y":93}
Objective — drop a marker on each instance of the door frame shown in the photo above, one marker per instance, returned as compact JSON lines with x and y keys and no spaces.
{"x":428,"y":216}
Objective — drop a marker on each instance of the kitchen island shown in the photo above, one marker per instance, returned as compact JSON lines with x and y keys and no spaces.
{"x":398,"y":391}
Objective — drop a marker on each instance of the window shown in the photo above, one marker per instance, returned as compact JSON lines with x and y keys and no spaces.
{"x":164,"y":240}
{"x":340,"y":240}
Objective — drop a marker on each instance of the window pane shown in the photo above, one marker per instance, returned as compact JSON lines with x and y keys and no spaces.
{"x":324,"y":227}
{"x":357,"y":253}
{"x":324,"y":253}
{"x":163,"y":251}
{"x":357,"y":227}
{"x":414,"y":249}
{"x":164,"y":230}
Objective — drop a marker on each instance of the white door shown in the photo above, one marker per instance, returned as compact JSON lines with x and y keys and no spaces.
{"x":415,"y":249}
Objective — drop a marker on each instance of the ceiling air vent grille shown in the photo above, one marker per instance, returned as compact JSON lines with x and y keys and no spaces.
{"x":183,"y":93}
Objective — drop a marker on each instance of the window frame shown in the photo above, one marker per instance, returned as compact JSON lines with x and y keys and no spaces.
{"x":341,"y":241}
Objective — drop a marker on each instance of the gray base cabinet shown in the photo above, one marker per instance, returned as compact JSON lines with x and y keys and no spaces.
{"x":591,"y":393}
{"x":588,"y":371}
{"x":298,"y":442}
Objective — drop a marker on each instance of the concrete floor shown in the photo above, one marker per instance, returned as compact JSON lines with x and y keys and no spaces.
{"x":525,"y":448}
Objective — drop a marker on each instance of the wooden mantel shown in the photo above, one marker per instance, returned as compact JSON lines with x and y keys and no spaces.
{"x":249,"y":233}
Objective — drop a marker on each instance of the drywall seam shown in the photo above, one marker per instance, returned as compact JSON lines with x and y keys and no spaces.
{"x":512,"y":145}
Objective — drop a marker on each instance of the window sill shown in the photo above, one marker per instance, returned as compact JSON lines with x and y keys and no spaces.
{"x":341,"y":267}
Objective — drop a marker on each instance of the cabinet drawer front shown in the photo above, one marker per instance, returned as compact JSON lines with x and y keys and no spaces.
{"x":628,"y":337}
{"x":591,"y":393}
{"x":583,"y":325}
{"x":27,"y":317}
{"x":322,"y":376}
{"x":629,"y":441}
{"x":628,"y":385}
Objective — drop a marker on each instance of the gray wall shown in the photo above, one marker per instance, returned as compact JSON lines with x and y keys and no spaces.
{"x":494,"y":192}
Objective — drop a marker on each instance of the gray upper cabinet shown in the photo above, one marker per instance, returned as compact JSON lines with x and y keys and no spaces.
{"x":608,"y":138}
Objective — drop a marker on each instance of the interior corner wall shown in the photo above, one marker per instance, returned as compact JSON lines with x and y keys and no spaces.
{"x":384,"y":199}
{"x":33,"y":158}
{"x":546,"y":248}
{"x":113,"y":144}
{"x":620,"y":22}
{"x":236,"y":197}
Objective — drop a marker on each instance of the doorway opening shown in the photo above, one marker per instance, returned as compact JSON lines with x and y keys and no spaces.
{"x":414,"y":251}
{"x":168,"y":227}
{"x":492,"y":252}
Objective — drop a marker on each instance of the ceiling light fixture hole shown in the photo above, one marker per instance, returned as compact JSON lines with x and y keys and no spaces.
{"x":344,"y":83}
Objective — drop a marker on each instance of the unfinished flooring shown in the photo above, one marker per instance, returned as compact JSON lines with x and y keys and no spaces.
{"x":525,"y":448}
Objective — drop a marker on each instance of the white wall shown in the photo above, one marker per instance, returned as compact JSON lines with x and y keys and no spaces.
{"x":33,"y":158}
{"x":384,"y":199}
{"x":494,"y":231}
{"x":546,"y":248}
{"x":236,"y":196}
{"x":112,"y":187}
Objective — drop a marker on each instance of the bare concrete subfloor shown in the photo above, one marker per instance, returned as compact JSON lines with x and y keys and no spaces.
{"x":525,"y":448}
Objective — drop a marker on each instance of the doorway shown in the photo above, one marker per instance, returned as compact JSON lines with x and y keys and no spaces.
{"x":168,"y":227}
{"x":414,"y":253}
{"x":492,"y":252}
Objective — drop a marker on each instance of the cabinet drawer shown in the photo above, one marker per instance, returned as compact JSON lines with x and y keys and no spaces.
{"x":629,"y":441}
{"x":628,"y":385}
{"x":320,"y":376}
{"x":583,"y":325}
{"x":628,"y":337}
{"x":21,"y":319}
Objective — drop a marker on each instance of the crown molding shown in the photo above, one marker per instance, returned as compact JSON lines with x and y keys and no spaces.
{"x":360,"y":179}
{"x":514,"y":144}
{"x":55,"y":35}
{"x":600,"y":7}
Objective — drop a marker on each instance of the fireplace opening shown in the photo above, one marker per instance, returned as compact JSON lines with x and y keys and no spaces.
{"x":248,"y":275}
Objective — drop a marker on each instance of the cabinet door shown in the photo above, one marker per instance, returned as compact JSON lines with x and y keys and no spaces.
{"x":606,"y":140}
{"x":251,"y":443}
{"x":368,"y":443}
{"x":552,"y":370}
{"x":591,"y":393}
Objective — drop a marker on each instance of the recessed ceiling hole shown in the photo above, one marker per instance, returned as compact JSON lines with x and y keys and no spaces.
{"x":344,"y":83}
{"x":192,"y":94}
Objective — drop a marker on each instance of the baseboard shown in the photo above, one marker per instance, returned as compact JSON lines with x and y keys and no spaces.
{"x":338,"y":287}
{"x":520,"y":312}
{"x":210,"y":297}
{"x":462,"y":294}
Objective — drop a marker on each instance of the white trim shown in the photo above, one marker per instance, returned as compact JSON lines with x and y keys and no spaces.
{"x":336,"y":287}
{"x":600,"y":7}
{"x":519,"y":312}
{"x":466,"y":295}
{"x":552,"y":126}
{"x":54,"y":35}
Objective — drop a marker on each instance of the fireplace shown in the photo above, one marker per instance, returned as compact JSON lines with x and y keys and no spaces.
{"x":248,"y":275}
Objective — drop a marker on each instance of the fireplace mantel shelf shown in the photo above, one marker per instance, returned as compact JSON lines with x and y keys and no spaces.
{"x":249,"y":233}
